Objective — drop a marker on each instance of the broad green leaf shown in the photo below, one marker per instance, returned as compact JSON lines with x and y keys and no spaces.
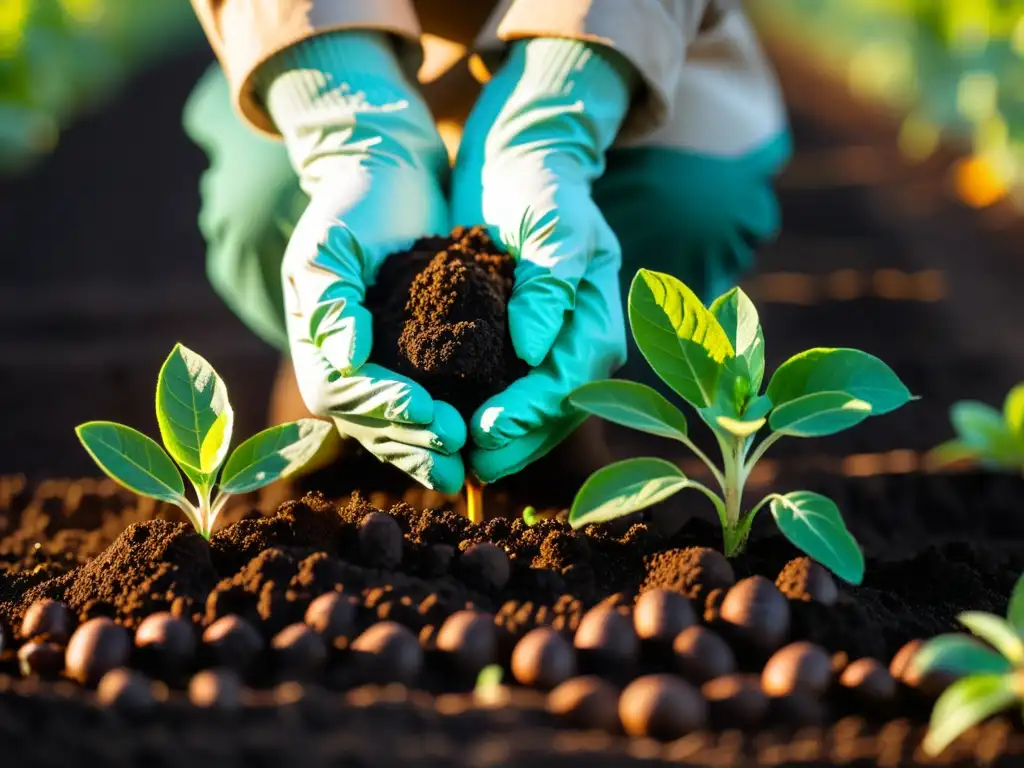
{"x":857,"y":373}
{"x":739,"y":427}
{"x":960,"y":655}
{"x":1013,"y":411}
{"x":997,"y":632}
{"x":1015,"y":610}
{"x":273,"y":454}
{"x":737,"y":315}
{"x":813,"y":524}
{"x":818,"y":414}
{"x":679,"y":337}
{"x":625,"y":487}
{"x":966,"y":703}
{"x":194,"y":414}
{"x":135,"y":461}
{"x":981,"y":427}
{"x":632,"y":405}
{"x":757,"y":407}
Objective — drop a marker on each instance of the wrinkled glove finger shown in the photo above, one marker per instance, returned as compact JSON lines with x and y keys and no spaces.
{"x":446,"y":434}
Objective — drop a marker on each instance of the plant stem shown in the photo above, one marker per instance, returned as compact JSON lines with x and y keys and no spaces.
{"x":707,"y":462}
{"x":474,"y":500}
{"x":765,"y":444}
{"x":204,"y":515}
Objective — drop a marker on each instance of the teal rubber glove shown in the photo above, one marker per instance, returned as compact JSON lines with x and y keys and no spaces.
{"x":531,"y":150}
{"x":369,"y":157}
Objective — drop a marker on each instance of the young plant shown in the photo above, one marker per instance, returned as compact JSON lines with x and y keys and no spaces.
{"x":714,"y":359}
{"x":530,"y":516}
{"x":991,"y":439}
{"x":991,"y":674}
{"x":196,"y":420}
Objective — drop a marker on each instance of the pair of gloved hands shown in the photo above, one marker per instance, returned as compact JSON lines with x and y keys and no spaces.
{"x":369,"y":156}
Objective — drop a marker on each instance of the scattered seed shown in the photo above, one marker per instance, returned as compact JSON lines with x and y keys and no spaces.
{"x":607,"y":634}
{"x":125,"y":689}
{"x":486,"y":564}
{"x":333,"y":615}
{"x":701,"y":655}
{"x":216,"y":689}
{"x":663,"y":707}
{"x":232,"y":642}
{"x":870,"y":680}
{"x":380,"y":541}
{"x":660,"y":615}
{"x":299,"y":650}
{"x":470,"y":638}
{"x":168,"y":642}
{"x":41,"y":659}
{"x":801,"y":666}
{"x":96,"y":647}
{"x":543,"y":659}
{"x":758,"y":612}
{"x":735,"y":701}
{"x":588,"y":702}
{"x":804,"y":579}
{"x":49,"y":620}
{"x":388,"y":652}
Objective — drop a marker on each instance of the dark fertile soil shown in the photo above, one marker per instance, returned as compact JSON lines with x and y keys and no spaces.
{"x":440,"y":317}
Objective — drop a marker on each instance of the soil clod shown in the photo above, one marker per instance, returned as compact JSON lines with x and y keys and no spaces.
{"x":660,"y":615}
{"x":47,"y":620}
{"x":470,"y":640}
{"x":166,"y":643}
{"x":799,"y":666}
{"x":662,"y":706}
{"x":870,"y":680}
{"x":219,"y":689}
{"x":543,"y":659}
{"x":333,"y":615}
{"x":388,"y":653}
{"x":757,"y":613}
{"x":380,"y":541}
{"x":38,"y":658}
{"x":485,"y":564}
{"x":126,"y":689}
{"x":97,"y":646}
{"x":587,"y":702}
{"x":692,"y":572}
{"x":804,"y":579}
{"x":735,"y":701}
{"x":701,"y":654}
{"x":299,"y":651}
{"x":232,"y":642}
{"x":605,"y":637}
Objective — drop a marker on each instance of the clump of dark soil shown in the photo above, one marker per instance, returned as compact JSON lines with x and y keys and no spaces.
{"x":440,"y":312}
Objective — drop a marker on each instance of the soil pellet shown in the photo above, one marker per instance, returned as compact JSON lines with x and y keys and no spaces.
{"x":606,"y":634}
{"x":692,"y":572}
{"x":587,"y":702}
{"x":869,"y":680}
{"x":660,"y":615}
{"x":41,"y":659}
{"x":485,"y":564}
{"x":757,"y":612}
{"x":800,"y":666}
{"x":219,"y":689}
{"x":125,"y":689}
{"x":543,"y":659}
{"x":380,"y":541}
{"x":701,"y":654}
{"x":333,"y":615}
{"x":299,"y":650}
{"x":232,"y":642}
{"x":470,"y":639}
{"x":439,"y":559}
{"x":930,"y":684}
{"x":97,"y":646}
{"x":663,"y":707}
{"x":167,"y":641}
{"x":804,"y":579}
{"x":797,"y":710}
{"x":735,"y":701}
{"x":48,"y":620}
{"x":388,"y":653}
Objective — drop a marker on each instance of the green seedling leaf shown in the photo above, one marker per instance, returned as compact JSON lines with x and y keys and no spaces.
{"x":819,"y":414}
{"x":982,"y":428}
{"x":678,"y":335}
{"x":135,"y":461}
{"x":631,"y":405}
{"x":530,"y":516}
{"x":1015,"y":611}
{"x":625,"y":487}
{"x":966,"y":703}
{"x":997,"y":632}
{"x":1013,"y":411}
{"x":194,"y":414}
{"x":856,"y":373}
{"x":813,"y":524}
{"x":951,"y":452}
{"x":273,"y":454}
{"x":960,"y":655}
{"x":739,"y":427}
{"x":737,"y":315}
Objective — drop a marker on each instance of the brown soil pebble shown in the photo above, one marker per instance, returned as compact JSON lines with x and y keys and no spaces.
{"x":333,"y":615}
{"x":692,"y":572}
{"x":380,"y":541}
{"x":757,"y":612}
{"x":701,"y":654}
{"x":216,"y":689}
{"x":930,"y":684}
{"x":606,"y":635}
{"x":543,"y":659}
{"x":485,"y":564}
{"x":388,"y":653}
{"x":440,"y":317}
{"x":47,"y":620}
{"x":125,"y":689}
{"x":869,"y":680}
{"x":797,"y":710}
{"x":588,"y":703}
{"x":663,"y":707}
{"x":470,"y":639}
{"x":167,"y":642}
{"x":735,"y":701}
{"x":800,"y":666}
{"x":37,"y":658}
{"x":804,"y":579}
{"x":660,"y":615}
{"x":96,"y":647}
{"x":232,"y":642}
{"x":298,"y":650}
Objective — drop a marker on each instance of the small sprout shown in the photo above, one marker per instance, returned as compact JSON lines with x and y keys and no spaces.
{"x":488,"y":689}
{"x":196,"y":420}
{"x":530,"y":516}
{"x":714,"y":359}
{"x":992,"y":439}
{"x":990,"y":672}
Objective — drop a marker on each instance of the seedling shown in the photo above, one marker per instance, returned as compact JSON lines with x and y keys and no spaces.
{"x":985,"y":436}
{"x":488,"y":688}
{"x":530,"y":516}
{"x":195,"y":421}
{"x":474,"y":500}
{"x":991,"y":674}
{"x":714,"y":359}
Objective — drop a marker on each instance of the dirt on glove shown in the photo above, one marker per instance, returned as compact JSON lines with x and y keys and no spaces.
{"x":440,"y":317}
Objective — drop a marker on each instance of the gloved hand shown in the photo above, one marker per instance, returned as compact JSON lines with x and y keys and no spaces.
{"x":531,"y":150}
{"x":370,"y":159}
